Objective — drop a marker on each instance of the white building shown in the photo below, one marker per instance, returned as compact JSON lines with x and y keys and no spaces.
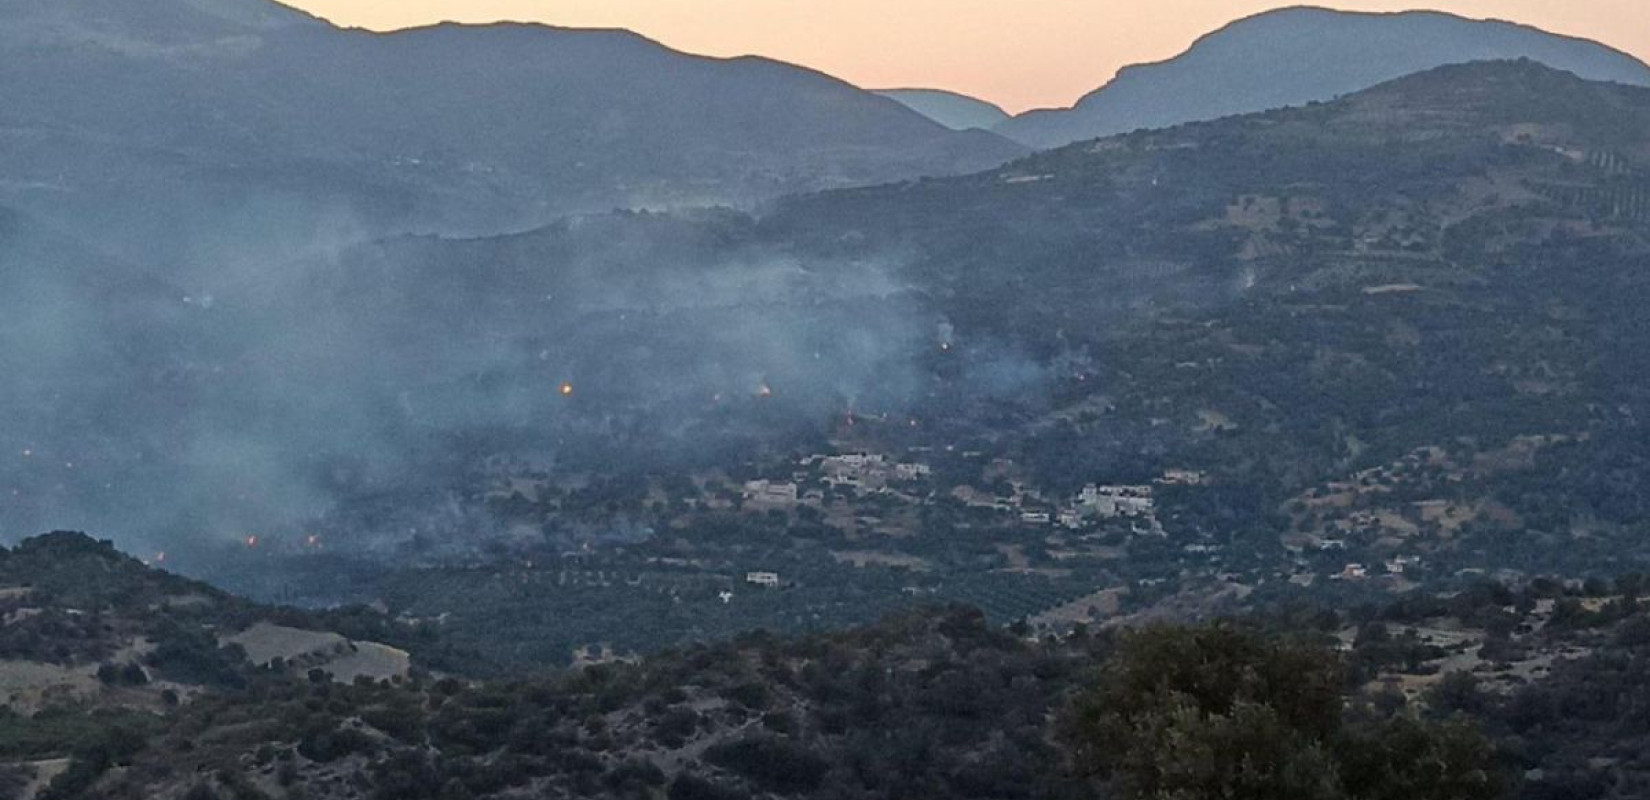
{"x":856,"y":460}
{"x":771,"y":492}
{"x":768,"y":579}
{"x":1353,"y":572}
{"x":1183,"y":477}
{"x":1398,"y":565}
{"x":911,"y":472}
{"x":1116,"y":501}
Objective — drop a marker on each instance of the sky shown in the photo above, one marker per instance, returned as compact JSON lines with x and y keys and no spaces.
{"x":1018,"y":53}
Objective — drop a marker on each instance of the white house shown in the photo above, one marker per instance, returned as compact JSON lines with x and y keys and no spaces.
{"x":1116,"y":501}
{"x":911,"y":472}
{"x":1397,"y":565}
{"x":771,"y":492}
{"x":768,"y":579}
{"x":1353,"y":572}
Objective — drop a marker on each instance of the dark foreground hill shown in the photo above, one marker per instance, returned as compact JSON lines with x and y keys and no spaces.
{"x":1387,"y":701}
{"x":1296,"y":56}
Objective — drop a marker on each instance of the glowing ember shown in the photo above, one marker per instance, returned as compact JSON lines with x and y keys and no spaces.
{"x":567,"y":390}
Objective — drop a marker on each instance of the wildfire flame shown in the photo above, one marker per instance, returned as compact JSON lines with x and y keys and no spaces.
{"x":567,"y":390}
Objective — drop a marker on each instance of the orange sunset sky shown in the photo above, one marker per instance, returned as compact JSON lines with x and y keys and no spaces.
{"x":1018,"y":53}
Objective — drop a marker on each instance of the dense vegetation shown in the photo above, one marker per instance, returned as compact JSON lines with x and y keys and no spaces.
{"x":932,"y":704}
{"x":1528,"y":691}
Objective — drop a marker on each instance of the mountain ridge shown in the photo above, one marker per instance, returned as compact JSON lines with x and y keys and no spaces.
{"x":442,"y":127}
{"x":954,"y":110}
{"x":1305,"y":43}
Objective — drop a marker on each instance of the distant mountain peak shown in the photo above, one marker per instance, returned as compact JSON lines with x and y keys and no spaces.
{"x":954,"y":110}
{"x":1297,"y":55}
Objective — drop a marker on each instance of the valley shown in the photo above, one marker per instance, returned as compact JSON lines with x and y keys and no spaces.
{"x":508,"y":411}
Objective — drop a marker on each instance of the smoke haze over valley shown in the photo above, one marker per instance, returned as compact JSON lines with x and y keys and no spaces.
{"x":548,"y":413}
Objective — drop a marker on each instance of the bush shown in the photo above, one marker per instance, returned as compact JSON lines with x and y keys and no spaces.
{"x":774,"y":764}
{"x":689,"y":787}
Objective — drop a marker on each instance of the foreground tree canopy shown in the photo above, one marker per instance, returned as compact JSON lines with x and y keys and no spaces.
{"x":1219,"y":712}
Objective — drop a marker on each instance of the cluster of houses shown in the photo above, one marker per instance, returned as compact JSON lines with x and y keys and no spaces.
{"x":871,"y":473}
{"x":1359,"y":572}
{"x":858,"y":473}
{"x":1095,"y":503}
{"x":866,"y":472}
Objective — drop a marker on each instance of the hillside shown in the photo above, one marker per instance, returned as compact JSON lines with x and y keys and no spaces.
{"x":1296,"y":56}
{"x":1302,"y":298}
{"x":244,"y":113}
{"x":1199,"y":297}
{"x":98,"y":650}
{"x":958,"y":112}
{"x":1486,"y":693}
{"x":1397,"y":332}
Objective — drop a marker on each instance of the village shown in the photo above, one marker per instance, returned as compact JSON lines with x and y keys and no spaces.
{"x":819,"y":482}
{"x":935,"y":512}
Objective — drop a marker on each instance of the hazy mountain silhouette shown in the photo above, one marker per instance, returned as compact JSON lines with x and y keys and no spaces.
{"x":115,"y":104}
{"x":958,"y":112}
{"x":1299,"y":55}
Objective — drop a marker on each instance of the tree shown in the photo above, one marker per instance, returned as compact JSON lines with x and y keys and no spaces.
{"x":1222,"y":713}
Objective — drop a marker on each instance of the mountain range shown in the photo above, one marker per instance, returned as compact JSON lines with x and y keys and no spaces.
{"x":1291,"y":57}
{"x":955,"y":111}
{"x":306,"y":311}
{"x":244,"y":104}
